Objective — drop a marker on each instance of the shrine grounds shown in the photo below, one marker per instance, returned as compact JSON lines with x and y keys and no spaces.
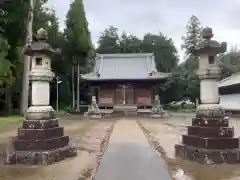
{"x":91,"y":136}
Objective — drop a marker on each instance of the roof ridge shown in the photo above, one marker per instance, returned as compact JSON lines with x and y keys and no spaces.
{"x":125,"y":55}
{"x":229,"y":77}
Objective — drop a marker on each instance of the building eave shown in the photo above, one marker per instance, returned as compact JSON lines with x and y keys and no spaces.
{"x":229,"y":81}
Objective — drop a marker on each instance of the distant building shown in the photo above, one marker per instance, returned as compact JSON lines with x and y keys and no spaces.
{"x":124,"y":80}
{"x":229,"y":92}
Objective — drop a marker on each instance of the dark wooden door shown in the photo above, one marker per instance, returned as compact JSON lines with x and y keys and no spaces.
{"x":129,"y":95}
{"x":119,"y":96}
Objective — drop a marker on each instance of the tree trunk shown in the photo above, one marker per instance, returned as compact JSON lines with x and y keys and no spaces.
{"x":73,"y":87}
{"x":8,"y":101}
{"x":78,"y":86}
{"x":26,"y":61}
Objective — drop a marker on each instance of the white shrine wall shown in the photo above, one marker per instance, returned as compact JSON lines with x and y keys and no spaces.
{"x":230,"y":101}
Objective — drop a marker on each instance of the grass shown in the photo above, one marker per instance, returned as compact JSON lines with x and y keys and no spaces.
{"x":6,"y":122}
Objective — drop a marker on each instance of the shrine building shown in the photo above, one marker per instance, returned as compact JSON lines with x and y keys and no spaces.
{"x":229,"y":94}
{"x":124,"y":81}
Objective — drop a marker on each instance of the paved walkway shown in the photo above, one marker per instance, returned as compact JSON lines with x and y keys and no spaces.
{"x":130,"y":157}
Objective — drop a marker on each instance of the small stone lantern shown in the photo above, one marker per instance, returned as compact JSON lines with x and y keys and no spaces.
{"x":209,"y":138}
{"x":40,"y":140}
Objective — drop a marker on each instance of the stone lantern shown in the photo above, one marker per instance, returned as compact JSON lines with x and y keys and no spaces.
{"x":40,"y":140}
{"x":209,"y":139}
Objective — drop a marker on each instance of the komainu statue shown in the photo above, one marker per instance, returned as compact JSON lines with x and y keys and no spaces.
{"x":156,"y":105}
{"x":157,"y":110}
{"x":93,"y":108}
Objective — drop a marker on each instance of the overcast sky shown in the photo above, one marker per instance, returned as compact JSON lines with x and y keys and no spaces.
{"x":168,"y":16}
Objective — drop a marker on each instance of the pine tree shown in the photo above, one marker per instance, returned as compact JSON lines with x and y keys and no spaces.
{"x":192,"y":35}
{"x":189,"y":67}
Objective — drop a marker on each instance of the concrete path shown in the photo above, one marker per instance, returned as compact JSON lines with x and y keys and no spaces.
{"x":130,"y":157}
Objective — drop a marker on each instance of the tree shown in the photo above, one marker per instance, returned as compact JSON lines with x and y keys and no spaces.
{"x":193,"y":31}
{"x":129,"y":44}
{"x":166,"y":55}
{"x":109,"y":41}
{"x":14,"y":19}
{"x":184,"y":83}
{"x":27,"y":59}
{"x":78,"y":41}
{"x":6,"y":73}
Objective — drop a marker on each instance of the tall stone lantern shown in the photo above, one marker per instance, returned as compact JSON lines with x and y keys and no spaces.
{"x":40,"y":140}
{"x":209,"y":139}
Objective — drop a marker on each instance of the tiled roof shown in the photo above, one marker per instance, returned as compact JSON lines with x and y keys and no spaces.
{"x":231,"y":80}
{"x":125,"y":66}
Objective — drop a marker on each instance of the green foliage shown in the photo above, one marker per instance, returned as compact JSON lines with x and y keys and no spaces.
{"x":166,"y":56}
{"x":229,"y":63}
{"x":14,"y":19}
{"x":193,"y":34}
{"x":77,"y":33}
{"x":184,"y":82}
{"x":109,"y":41}
{"x":6,"y":72}
{"x":129,"y":44}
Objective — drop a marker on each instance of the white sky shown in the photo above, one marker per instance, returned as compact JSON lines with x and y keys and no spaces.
{"x":168,"y":16}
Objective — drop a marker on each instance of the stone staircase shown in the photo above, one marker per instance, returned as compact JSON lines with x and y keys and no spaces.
{"x":125,"y":110}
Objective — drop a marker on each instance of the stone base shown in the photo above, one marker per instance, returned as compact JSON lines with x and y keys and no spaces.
{"x":96,"y":116}
{"x":93,"y":115}
{"x":207,"y":156}
{"x":160,"y":115}
{"x":40,"y":139}
{"x":210,"y":111}
{"x":40,"y":157}
{"x":157,"y":116}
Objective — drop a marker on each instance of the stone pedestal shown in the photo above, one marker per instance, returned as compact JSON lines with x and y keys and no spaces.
{"x":40,"y":139}
{"x":209,"y":139}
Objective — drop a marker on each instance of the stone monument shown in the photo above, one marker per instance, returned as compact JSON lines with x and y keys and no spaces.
{"x":40,"y":140}
{"x":209,"y":139}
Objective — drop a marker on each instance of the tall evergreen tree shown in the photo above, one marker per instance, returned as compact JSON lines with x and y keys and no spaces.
{"x":193,"y":30}
{"x":79,"y":42}
{"x":166,"y":55}
{"x":189,"y":67}
{"x":109,"y":41}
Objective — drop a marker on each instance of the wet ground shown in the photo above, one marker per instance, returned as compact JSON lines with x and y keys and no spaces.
{"x":168,"y":133}
{"x":87,"y":135}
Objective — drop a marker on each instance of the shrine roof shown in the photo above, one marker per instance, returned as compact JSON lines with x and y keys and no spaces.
{"x":125,"y":67}
{"x":231,"y":80}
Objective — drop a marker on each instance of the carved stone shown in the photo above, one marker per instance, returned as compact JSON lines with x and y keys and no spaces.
{"x":40,"y":140}
{"x":209,"y":139}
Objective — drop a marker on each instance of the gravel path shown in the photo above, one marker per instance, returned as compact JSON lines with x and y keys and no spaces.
{"x":129,"y":156}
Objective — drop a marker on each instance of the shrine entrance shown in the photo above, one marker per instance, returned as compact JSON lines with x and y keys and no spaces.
{"x":125,"y":95}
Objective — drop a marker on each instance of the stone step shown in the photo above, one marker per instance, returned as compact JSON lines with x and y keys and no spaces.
{"x":210,"y":131}
{"x":211,"y":143}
